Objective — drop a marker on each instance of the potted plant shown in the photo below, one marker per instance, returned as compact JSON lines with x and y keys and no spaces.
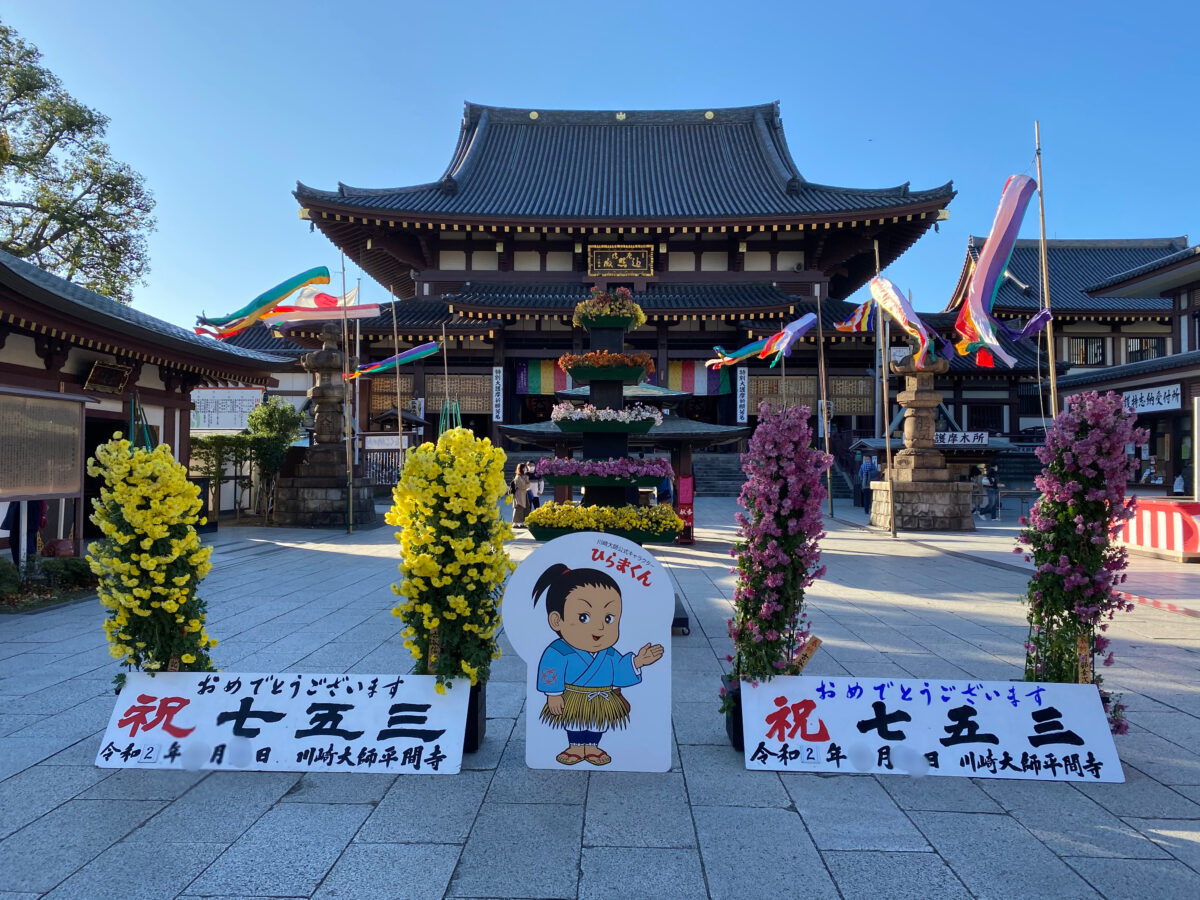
{"x":453,"y":563}
{"x":605,"y":310}
{"x":778,"y":553}
{"x":1069,"y":535}
{"x":620,"y":472}
{"x":604,"y":365}
{"x":150,"y":561}
{"x":643,"y":524}
{"x":636,"y":419}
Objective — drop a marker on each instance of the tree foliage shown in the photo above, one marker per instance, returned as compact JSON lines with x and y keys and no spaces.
{"x":65,"y":204}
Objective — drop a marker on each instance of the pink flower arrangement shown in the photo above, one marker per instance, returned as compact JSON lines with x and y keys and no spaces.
{"x":777,"y":549}
{"x":639,"y":412}
{"x":623,"y":467}
{"x":1068,"y":535}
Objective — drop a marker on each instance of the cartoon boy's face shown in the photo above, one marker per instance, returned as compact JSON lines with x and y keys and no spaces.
{"x":591,"y":618}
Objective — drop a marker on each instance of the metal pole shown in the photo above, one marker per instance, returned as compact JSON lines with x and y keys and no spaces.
{"x":824,"y":395}
{"x":399,"y":412}
{"x":1037,"y":139}
{"x":1195,"y":455}
{"x":23,"y":525}
{"x":887,"y":427}
{"x":346,"y":407}
{"x":357,"y":381}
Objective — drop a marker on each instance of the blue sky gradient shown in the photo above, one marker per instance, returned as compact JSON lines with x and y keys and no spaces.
{"x":223,"y":106}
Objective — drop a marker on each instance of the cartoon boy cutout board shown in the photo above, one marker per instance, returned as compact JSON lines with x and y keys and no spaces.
{"x":596,"y":640}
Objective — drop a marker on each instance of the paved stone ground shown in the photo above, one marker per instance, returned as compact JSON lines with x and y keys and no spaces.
{"x":919,"y":606}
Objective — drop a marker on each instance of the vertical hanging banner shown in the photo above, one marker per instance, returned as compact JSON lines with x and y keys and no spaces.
{"x":687,"y":509}
{"x":743,"y":395}
{"x":894,"y":726}
{"x":590,"y":613}
{"x":286,"y":722}
{"x":497,"y":393}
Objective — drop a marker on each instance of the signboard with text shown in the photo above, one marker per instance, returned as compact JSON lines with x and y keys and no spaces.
{"x":1167,"y":397}
{"x":960,"y":438}
{"x":894,"y":726}
{"x":498,"y":393}
{"x":622,"y":260}
{"x":224,"y":409}
{"x":743,"y":394}
{"x":286,"y":722}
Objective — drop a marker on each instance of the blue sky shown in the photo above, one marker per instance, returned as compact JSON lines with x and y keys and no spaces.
{"x":223,"y":106}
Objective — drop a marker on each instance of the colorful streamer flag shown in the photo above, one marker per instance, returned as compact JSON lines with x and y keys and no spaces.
{"x":777,"y":345}
{"x":222,"y":327}
{"x":693,"y":377}
{"x":975,"y":323}
{"x":894,"y":303}
{"x":862,"y":320}
{"x":541,"y":376}
{"x":313,"y":305}
{"x":411,"y":355}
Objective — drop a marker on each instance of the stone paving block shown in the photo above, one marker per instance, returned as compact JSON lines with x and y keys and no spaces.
{"x":851,"y":812}
{"x":1144,"y":797}
{"x":339,"y":787}
{"x":42,"y":854}
{"x":77,"y":722}
{"x":424,"y":809}
{"x":17,"y":754}
{"x":278,"y":854}
{"x":659,"y":818}
{"x":1179,"y":837}
{"x":143,"y":784}
{"x":391,"y":872}
{"x":1067,"y":822}
{"x":939,"y":794}
{"x":495,"y":739}
{"x":1136,"y":879}
{"x":219,"y":808}
{"x":759,"y":853}
{"x":138,"y":871}
{"x":547,"y":867}
{"x":996,"y":857}
{"x":699,"y":723}
{"x":869,"y":875}
{"x":717,"y":776}
{"x":505,"y":699}
{"x":39,"y":789}
{"x":625,"y":872}
{"x":514,"y":782}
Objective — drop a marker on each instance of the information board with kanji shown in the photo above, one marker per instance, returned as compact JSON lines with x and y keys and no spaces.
{"x":894,"y":726}
{"x":286,"y":722}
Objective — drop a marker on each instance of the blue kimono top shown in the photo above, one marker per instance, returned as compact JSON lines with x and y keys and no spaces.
{"x":562,"y":664}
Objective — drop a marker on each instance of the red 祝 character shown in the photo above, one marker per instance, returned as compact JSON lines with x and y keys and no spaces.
{"x":164,"y":714}
{"x":787,"y":720}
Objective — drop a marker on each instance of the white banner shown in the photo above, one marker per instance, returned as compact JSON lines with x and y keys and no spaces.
{"x":224,"y":409}
{"x":743,"y":394}
{"x":960,"y":438}
{"x":893,"y":726}
{"x":1167,"y":397}
{"x":286,"y":722}
{"x":497,"y":393}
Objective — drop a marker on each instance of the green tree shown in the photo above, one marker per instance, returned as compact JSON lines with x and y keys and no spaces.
{"x":273,"y":425}
{"x":65,"y":204}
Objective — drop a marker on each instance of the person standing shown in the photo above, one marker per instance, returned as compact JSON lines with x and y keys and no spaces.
{"x":520,"y":492}
{"x":536,"y":486}
{"x":867,"y":473}
{"x":35,"y":520}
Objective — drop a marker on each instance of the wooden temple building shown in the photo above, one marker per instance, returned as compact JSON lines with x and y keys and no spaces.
{"x":703,"y":214}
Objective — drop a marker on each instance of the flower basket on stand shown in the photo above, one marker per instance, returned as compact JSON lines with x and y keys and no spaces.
{"x":605,"y":310}
{"x":778,"y":554}
{"x":453,"y":563}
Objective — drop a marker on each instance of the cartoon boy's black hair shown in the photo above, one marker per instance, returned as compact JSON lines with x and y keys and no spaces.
{"x":558,"y":581}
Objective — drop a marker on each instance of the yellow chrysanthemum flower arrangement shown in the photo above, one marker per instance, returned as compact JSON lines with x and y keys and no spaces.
{"x":150,"y":561}
{"x":658,"y":520}
{"x":452,"y":558}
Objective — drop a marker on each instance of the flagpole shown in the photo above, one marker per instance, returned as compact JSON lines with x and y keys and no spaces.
{"x":1037,"y":140}
{"x":358,"y":359}
{"x":884,"y":352}
{"x":824,"y":395}
{"x":346,"y":405}
{"x":396,"y":350}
